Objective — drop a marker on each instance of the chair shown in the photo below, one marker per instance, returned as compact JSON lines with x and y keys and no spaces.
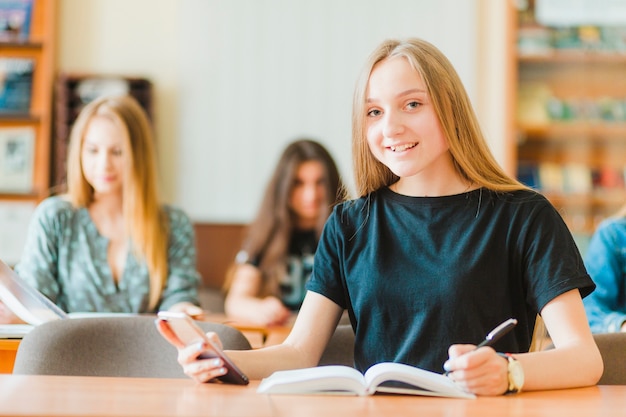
{"x":128,"y":346}
{"x":612,"y":347}
{"x":340,"y":348}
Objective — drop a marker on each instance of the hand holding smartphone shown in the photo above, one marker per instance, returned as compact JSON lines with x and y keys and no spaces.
{"x":188,"y":332}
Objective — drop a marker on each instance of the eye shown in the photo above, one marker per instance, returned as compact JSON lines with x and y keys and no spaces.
{"x":373,"y":113}
{"x":413,"y":104}
{"x":116,"y":152}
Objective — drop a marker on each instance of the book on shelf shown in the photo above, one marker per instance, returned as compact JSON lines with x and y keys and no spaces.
{"x":15,"y":17}
{"x":550,"y":177}
{"x":528,"y":174}
{"x":17,"y":146}
{"x":16,"y":82}
{"x":577,"y":179}
{"x":386,"y":377}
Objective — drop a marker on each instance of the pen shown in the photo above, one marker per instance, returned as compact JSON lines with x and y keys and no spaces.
{"x":493,"y":336}
{"x":497,"y":333}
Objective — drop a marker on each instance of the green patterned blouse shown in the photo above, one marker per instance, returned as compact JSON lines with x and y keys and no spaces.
{"x":66,"y":259}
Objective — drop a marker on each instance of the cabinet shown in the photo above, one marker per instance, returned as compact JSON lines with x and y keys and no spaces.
{"x":38,"y":46}
{"x":570,"y":121}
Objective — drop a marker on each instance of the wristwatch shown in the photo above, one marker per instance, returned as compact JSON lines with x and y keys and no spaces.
{"x":515,"y":374}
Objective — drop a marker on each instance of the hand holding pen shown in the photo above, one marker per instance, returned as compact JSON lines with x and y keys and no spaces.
{"x":495,"y":335}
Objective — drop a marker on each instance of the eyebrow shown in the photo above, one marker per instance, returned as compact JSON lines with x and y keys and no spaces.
{"x":404,"y":93}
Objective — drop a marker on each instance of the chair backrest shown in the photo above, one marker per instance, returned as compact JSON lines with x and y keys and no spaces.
{"x":128,"y":346}
{"x":612,"y":347}
{"x":340,"y":348}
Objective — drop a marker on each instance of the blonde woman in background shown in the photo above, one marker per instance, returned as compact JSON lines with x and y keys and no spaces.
{"x":109,"y":244}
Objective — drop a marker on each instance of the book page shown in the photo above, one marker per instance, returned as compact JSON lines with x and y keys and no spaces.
{"x":14,"y":331}
{"x":434,"y":384}
{"x":333,"y":379}
{"x":25,"y":301}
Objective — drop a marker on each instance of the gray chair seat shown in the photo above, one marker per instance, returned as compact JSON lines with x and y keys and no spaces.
{"x":612,"y":347}
{"x":340,"y":348}
{"x":129,"y":346}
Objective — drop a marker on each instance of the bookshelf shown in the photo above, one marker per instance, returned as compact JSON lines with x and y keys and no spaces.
{"x":570,"y":114}
{"x":31,"y":157}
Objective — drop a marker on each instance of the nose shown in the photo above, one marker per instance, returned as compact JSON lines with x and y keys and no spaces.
{"x":310,"y":192}
{"x":393,"y":124}
{"x":104,"y":160}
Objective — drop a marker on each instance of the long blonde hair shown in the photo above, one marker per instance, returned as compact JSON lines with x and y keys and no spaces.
{"x":145,"y":222}
{"x":468,"y":147}
{"x":469,"y":150}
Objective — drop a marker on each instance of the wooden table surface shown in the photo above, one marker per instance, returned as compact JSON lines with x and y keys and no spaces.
{"x":36,"y":395}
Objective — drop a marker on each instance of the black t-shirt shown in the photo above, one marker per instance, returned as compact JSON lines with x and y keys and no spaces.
{"x":418,"y":274}
{"x":299,"y":265}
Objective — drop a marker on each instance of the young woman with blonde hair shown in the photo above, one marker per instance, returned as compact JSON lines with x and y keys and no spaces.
{"x":108,"y":244}
{"x":439,"y":247}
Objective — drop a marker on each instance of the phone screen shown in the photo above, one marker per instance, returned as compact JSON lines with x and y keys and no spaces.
{"x":189,"y":333}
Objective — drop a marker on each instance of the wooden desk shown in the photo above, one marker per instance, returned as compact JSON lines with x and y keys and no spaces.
{"x":8,"y":350}
{"x":37,"y":395}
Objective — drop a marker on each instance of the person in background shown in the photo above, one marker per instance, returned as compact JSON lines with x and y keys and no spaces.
{"x":265,"y":285}
{"x":439,"y":247}
{"x":109,"y":244}
{"x":605,"y":260}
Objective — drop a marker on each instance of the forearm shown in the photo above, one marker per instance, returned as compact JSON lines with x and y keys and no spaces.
{"x":568,"y":367}
{"x":575,"y":360}
{"x":261,"y":363}
{"x":241,"y":306}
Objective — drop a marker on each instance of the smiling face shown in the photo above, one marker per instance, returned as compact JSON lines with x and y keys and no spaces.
{"x":402,"y":128}
{"x":103,"y":158}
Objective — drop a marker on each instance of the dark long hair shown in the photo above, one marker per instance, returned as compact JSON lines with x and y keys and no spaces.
{"x":267,"y":237}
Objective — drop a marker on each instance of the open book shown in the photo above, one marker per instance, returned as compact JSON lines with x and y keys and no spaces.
{"x":25,"y":301}
{"x":386,"y":377}
{"x":32,"y":306}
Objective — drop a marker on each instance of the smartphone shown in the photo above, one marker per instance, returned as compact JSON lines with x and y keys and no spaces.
{"x":189,"y":333}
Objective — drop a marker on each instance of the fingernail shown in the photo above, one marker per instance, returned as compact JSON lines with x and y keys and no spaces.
{"x":446,"y":366}
{"x":222,"y":371}
{"x":217,"y":362}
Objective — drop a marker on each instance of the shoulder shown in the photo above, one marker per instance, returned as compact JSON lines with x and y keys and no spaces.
{"x":523,"y":202}
{"x":611,"y":229}
{"x":180,"y":224}
{"x":523,"y":196}
{"x":612,"y":224}
{"x":55,"y":207}
{"x":355,"y":209}
{"x":176,"y":215}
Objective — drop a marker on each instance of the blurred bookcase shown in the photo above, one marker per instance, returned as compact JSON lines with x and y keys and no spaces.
{"x":570,"y":99}
{"x":27,"y":74}
{"x":27,"y":53}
